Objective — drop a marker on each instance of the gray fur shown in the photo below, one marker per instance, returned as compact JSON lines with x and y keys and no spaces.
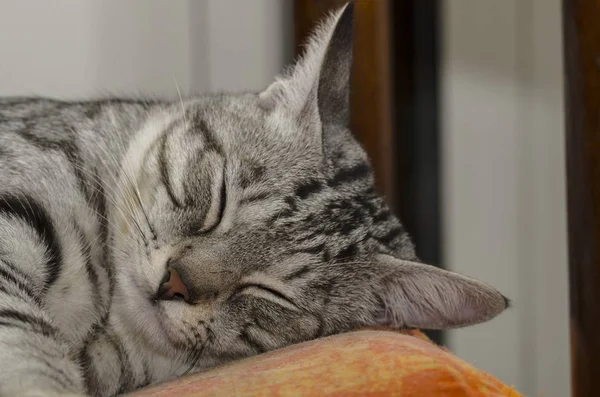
{"x":264,"y":203}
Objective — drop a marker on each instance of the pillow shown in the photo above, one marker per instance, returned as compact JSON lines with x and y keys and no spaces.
{"x":363,"y":363}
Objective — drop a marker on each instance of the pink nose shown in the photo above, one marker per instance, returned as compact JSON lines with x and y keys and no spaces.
{"x":174,"y":287}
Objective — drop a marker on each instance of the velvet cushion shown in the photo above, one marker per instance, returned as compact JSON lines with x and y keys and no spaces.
{"x":362,"y":363}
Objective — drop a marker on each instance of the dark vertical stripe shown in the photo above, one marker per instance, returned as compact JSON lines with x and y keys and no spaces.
{"x":69,"y":149}
{"x":85,"y":360}
{"x":106,"y":261}
{"x":251,"y":341}
{"x":163,"y":163}
{"x":89,"y":267}
{"x":126,"y":376}
{"x":210,"y":140}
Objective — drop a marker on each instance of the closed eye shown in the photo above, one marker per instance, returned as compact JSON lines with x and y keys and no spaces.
{"x":216,"y":211}
{"x":266,"y":292}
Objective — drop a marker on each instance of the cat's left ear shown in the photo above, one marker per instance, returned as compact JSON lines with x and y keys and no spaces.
{"x":317,"y":88}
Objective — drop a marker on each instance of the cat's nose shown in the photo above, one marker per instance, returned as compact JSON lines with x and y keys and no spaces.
{"x":172,"y":287}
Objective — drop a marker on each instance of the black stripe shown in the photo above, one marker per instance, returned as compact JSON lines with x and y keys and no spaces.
{"x":251,"y":174}
{"x":255,"y":197}
{"x":30,"y":211}
{"x":36,"y":324}
{"x":326,"y":286}
{"x":390,"y":236}
{"x":347,"y":253}
{"x":164,"y":171}
{"x":353,"y":173}
{"x":308,"y":188}
{"x":382,"y":216}
{"x":69,"y":149}
{"x":106,"y":261}
{"x":65,"y":379}
{"x":21,"y":286}
{"x":89,"y":266}
{"x":250,"y":341}
{"x":320,"y":332}
{"x":291,"y":202}
{"x":98,"y":194}
{"x":276,"y":293}
{"x":309,"y":235}
{"x":92,"y":110}
{"x":314,"y":250}
{"x":298,"y":273}
{"x":16,"y":272}
{"x":286,"y":213}
{"x":85,"y":363}
{"x":267,"y":328}
{"x":222,"y":196}
{"x":210,"y":141}
{"x":126,"y":377}
{"x":51,"y":376}
{"x":85,"y":360}
{"x":267,"y":289}
{"x":147,"y":377}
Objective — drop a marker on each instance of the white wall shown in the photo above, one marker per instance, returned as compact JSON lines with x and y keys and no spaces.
{"x":505,"y":189}
{"x":75,"y":48}
{"x":248,"y":47}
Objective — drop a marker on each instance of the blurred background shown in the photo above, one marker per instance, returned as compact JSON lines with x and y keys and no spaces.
{"x":459,"y":103}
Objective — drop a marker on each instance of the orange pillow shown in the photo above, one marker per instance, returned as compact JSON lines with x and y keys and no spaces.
{"x":362,"y":363}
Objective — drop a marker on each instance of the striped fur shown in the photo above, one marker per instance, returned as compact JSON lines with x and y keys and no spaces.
{"x":264,"y":204}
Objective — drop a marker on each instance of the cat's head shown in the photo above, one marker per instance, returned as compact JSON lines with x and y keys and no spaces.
{"x":263,"y":208}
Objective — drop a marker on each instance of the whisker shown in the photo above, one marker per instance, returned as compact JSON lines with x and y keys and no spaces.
{"x":123,"y":171}
{"x":181,"y":102}
{"x":125,"y":214}
{"x":133,"y":182}
{"x":199,"y":351}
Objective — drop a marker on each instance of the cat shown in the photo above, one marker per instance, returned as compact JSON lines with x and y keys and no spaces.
{"x":143,"y":240}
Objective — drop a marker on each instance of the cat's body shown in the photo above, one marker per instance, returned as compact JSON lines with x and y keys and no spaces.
{"x":142,"y":240}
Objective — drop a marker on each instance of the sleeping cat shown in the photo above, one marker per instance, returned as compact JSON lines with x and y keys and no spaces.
{"x":140,"y":241}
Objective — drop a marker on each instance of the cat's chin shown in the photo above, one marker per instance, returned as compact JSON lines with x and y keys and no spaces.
{"x":141,"y":315}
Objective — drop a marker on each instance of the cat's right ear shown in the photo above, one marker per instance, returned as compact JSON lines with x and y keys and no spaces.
{"x":317,"y":89}
{"x":415,"y":295}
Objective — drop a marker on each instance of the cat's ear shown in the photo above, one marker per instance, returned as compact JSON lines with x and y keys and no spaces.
{"x":414,"y":295}
{"x":316,"y":89}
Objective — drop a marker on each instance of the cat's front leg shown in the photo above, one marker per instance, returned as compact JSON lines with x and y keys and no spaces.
{"x":34,"y":357}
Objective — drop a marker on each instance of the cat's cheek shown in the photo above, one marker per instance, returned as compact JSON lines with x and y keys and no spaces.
{"x":182,"y":320}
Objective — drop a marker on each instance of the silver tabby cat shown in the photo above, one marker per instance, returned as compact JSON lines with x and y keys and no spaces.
{"x":140,"y":241}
